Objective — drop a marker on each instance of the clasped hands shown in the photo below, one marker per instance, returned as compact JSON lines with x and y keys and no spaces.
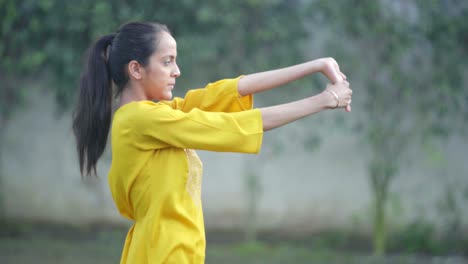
{"x":338,"y":87}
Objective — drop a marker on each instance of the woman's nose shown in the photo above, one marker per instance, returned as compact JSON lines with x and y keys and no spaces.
{"x":176,"y":72}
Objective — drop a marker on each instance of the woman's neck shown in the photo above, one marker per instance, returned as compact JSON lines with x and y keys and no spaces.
{"x":132,"y":94}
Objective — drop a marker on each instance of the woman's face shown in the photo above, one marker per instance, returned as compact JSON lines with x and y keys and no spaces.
{"x":162,"y":70}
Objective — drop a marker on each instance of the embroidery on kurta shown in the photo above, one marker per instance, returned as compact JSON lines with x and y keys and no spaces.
{"x":194,"y":180}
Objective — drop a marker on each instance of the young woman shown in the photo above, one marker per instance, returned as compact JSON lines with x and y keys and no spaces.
{"x":155,"y":176}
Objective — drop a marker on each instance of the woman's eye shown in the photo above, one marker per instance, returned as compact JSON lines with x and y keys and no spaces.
{"x":168,"y":61}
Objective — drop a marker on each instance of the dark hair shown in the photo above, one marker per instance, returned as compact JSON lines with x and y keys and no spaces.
{"x":106,"y":62}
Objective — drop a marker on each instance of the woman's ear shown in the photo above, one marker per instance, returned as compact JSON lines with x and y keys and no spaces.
{"x":135,"y":70}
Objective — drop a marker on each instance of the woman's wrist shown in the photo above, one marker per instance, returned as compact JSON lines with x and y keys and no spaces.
{"x":316,"y":66}
{"x":329,"y":100}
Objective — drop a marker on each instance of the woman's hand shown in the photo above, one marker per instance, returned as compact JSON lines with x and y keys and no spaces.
{"x":329,"y":67}
{"x":340,"y":95}
{"x":262,"y":81}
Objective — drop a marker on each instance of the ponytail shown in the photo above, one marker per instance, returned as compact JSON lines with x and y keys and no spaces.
{"x":92,"y":116}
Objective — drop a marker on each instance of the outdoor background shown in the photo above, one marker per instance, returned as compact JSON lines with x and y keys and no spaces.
{"x":386,"y":183}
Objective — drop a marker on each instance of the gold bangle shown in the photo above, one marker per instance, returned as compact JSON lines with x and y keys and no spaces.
{"x":336,"y":97}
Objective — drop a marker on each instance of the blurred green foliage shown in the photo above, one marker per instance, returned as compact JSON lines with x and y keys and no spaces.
{"x":409,"y":58}
{"x":48,"y":38}
{"x":417,"y":237}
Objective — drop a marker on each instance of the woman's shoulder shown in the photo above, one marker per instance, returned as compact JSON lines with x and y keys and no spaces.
{"x":139,"y":111}
{"x":137,"y":107}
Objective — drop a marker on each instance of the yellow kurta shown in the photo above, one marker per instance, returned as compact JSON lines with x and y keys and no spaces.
{"x":155,"y":177}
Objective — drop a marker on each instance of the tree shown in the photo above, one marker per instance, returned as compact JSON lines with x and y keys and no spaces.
{"x":412,"y":78}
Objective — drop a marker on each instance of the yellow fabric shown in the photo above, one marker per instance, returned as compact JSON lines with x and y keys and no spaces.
{"x":155,"y":177}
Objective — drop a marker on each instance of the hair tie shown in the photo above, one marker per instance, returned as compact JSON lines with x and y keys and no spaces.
{"x":109,"y":47}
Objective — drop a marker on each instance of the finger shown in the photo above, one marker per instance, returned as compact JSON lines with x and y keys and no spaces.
{"x":336,"y":78}
{"x":343,"y":75}
{"x":348,"y":108}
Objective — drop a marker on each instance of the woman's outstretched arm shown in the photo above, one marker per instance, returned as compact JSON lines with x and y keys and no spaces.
{"x":279,"y":115}
{"x":262,"y":81}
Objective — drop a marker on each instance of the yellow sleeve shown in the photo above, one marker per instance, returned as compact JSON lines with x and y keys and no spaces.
{"x":220,"y":96}
{"x":159,"y":126}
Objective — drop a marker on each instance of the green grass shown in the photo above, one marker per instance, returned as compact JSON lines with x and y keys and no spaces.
{"x":104,"y":246}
